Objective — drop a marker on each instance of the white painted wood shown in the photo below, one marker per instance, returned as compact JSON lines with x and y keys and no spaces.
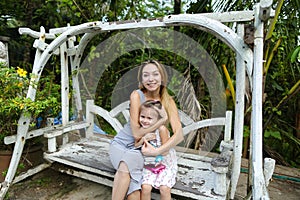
{"x":234,"y":16}
{"x":239,"y":117}
{"x":23,"y":126}
{"x":110,"y":118}
{"x":220,"y":181}
{"x":88,"y":176}
{"x":89,"y":118}
{"x":119,"y":108}
{"x":45,"y":131}
{"x":41,"y":45}
{"x":109,"y":182}
{"x":52,"y":144}
{"x":204,"y":123}
{"x":35,"y":34}
{"x":31,"y":172}
{"x":208,"y":22}
{"x":228,"y":124}
{"x":107,"y":116}
{"x":218,"y":29}
{"x":194,"y":180}
{"x":64,"y":69}
{"x":186,"y":176}
{"x":53,"y":133}
{"x":77,"y":165}
{"x":259,"y":187}
{"x":265,"y":11}
{"x":269,"y":167}
{"x":184,"y":118}
{"x":220,"y":166}
{"x":75,"y":63}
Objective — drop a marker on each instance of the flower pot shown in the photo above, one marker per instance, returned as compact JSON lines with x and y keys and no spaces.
{"x":31,"y":157}
{"x":5,"y":157}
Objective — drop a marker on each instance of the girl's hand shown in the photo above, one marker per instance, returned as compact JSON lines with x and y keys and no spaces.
{"x":148,"y":149}
{"x":149,"y":136}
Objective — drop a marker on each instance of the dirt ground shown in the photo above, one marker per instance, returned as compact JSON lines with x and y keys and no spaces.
{"x":53,"y":185}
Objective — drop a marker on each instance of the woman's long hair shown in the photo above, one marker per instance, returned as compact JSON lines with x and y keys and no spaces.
{"x":164,"y":95}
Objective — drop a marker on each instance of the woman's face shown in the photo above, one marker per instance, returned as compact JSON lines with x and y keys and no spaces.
{"x":151,"y":78}
{"x":148,"y":117}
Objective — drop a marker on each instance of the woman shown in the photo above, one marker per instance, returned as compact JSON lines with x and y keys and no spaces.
{"x":126,"y":159}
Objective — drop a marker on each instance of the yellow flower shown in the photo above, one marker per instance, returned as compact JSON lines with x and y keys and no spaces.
{"x":21,"y":106}
{"x":21,"y":72}
{"x":20,"y":84}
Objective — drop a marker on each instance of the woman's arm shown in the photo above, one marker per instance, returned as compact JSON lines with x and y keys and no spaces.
{"x":164,"y":134}
{"x":137,"y":131}
{"x":176,"y":138}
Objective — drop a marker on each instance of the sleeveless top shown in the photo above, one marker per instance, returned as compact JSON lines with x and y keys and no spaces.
{"x":157,"y":141}
{"x":125,"y":137}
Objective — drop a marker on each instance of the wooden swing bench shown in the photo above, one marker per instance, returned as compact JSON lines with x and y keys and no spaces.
{"x":199,"y":176}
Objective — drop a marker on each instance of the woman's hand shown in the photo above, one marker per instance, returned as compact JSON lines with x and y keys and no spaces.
{"x":162,"y":113}
{"x":148,"y":149}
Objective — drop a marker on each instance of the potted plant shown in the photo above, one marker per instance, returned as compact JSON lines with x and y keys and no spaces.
{"x":14,"y":84}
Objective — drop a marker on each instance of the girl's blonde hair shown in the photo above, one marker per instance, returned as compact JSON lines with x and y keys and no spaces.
{"x":151,"y":104}
{"x":164,"y":95}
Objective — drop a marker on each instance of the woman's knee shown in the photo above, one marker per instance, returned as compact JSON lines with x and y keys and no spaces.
{"x":123,"y":167}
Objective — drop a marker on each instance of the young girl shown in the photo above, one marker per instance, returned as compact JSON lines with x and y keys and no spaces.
{"x":160,"y":171}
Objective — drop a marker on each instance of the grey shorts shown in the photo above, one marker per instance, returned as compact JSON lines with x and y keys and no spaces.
{"x":134,"y":161}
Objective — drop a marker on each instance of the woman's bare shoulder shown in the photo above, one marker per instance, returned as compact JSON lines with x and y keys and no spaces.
{"x":135,"y":99}
{"x":134,"y":94}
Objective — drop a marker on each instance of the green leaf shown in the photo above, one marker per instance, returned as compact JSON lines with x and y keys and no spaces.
{"x":276,"y":134}
{"x":267,"y":134}
{"x":296,"y":55}
{"x":278,"y":87}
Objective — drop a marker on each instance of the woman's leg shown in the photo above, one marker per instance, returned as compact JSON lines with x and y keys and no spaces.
{"x":121,"y":182}
{"x":165,"y":192}
{"x":136,"y":195}
{"x":146,"y":192}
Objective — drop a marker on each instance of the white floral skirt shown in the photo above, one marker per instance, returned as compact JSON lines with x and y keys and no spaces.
{"x":166,"y":177}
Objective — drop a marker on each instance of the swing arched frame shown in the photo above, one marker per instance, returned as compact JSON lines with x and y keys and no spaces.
{"x":246,"y":61}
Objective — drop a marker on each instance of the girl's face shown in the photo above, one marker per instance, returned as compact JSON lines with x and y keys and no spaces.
{"x":148,"y":117}
{"x":151,"y":78}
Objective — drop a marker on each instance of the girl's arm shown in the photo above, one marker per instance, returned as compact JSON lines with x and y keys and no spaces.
{"x":148,"y":137}
{"x":137,"y":131}
{"x":177,"y":137}
{"x":139,"y":142}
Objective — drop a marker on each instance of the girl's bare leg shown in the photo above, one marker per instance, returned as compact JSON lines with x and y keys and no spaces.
{"x":165,"y":192}
{"x":121,"y":182}
{"x":146,"y":192}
